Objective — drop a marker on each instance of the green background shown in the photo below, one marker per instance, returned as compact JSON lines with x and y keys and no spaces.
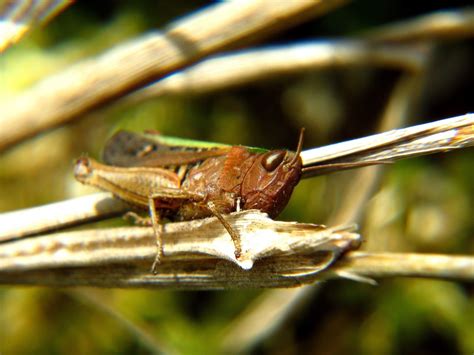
{"x":421,"y":205}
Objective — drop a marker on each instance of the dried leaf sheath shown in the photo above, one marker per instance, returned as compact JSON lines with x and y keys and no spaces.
{"x":131,"y":149}
{"x":199,"y":239}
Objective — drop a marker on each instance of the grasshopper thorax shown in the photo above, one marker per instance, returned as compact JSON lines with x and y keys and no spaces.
{"x":268,"y":184}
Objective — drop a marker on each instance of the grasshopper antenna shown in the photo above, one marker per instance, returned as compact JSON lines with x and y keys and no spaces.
{"x":299,"y":147}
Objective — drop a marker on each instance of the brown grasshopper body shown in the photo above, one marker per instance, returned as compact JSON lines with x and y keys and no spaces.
{"x":190,"y":184}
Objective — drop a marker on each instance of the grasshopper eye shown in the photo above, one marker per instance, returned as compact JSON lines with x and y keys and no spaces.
{"x":272,"y":160}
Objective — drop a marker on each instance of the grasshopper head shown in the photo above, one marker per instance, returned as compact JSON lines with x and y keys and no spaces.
{"x":269,"y":183}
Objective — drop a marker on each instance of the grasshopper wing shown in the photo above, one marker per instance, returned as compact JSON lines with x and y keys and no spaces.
{"x":133,"y":149}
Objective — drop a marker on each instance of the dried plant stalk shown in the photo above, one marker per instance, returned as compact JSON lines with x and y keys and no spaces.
{"x":247,"y":66}
{"x":204,"y":274}
{"x":377,"y":265}
{"x":442,"y":24}
{"x":59,"y":215}
{"x":19,"y":17}
{"x":261,"y":238}
{"x":434,"y":137}
{"x":200,"y":255}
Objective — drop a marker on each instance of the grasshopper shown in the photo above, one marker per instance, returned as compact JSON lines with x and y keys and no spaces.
{"x":192,"y":180}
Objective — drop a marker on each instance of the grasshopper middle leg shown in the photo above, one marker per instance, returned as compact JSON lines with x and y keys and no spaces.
{"x":158,"y":229}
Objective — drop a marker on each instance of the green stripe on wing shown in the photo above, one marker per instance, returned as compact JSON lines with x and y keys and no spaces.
{"x":189,"y":143}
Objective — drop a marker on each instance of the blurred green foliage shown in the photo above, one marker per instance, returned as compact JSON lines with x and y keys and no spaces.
{"x":398,"y":316}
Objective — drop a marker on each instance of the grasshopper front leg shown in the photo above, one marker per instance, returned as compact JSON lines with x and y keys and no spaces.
{"x":232,"y":232}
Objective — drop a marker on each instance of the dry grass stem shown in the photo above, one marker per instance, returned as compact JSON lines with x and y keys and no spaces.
{"x":19,"y":17}
{"x":261,"y":238}
{"x":205,"y":274}
{"x":59,"y":215}
{"x":200,"y":255}
{"x":258,"y":64}
{"x":434,"y":137}
{"x":439,"y":25}
{"x":380,"y":265}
